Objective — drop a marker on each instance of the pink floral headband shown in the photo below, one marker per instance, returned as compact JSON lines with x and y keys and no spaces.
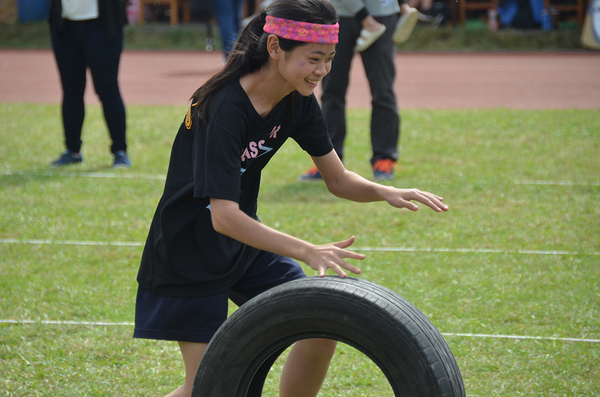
{"x":302,"y":31}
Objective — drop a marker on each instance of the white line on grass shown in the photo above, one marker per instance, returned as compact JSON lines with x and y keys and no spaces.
{"x":85,"y":174}
{"x":475,"y":250}
{"x":109,"y":323}
{"x":380,"y":249}
{"x":57,"y":322}
{"x":558,"y":183}
{"x":72,"y":242}
{"x":150,"y":176}
{"x":522,"y":337}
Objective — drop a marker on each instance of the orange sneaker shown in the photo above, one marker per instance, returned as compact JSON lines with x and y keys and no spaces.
{"x":383,"y":169}
{"x":311,"y":175}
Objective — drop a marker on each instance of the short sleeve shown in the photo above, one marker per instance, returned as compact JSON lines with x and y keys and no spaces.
{"x":310,"y":129}
{"x":216,"y":163}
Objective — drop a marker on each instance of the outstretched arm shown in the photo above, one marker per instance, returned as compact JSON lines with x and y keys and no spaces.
{"x":351,"y":186}
{"x":229,"y":220}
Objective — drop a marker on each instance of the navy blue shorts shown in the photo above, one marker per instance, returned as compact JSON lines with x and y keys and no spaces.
{"x":197,"y":319}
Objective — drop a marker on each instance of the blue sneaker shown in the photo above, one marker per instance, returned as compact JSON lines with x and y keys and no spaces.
{"x":121,"y":160}
{"x":311,"y":175}
{"x":67,"y":158}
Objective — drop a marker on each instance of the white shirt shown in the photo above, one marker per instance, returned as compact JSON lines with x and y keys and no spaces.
{"x":79,"y":10}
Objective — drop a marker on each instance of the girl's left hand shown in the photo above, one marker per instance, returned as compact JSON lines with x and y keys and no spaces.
{"x":401,"y":198}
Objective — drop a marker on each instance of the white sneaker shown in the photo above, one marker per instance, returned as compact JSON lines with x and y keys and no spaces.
{"x":405,"y":26}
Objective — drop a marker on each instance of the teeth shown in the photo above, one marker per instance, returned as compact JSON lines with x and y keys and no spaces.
{"x":312,"y":81}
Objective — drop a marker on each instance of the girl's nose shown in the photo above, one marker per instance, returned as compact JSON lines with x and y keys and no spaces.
{"x":322,"y":69}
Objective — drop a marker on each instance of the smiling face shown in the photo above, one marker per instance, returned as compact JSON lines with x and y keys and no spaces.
{"x":306,"y":65}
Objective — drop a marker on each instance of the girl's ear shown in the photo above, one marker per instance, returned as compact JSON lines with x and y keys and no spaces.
{"x":273,"y":46}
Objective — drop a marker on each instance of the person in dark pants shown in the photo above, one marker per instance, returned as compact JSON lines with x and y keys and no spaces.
{"x":379,"y":63}
{"x":229,"y":17}
{"x":89,"y":35}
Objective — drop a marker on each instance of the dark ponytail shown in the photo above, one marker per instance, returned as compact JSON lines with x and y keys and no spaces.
{"x":250,"y":51}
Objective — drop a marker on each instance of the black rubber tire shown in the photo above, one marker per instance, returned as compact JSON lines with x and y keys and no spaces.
{"x":391,"y":331}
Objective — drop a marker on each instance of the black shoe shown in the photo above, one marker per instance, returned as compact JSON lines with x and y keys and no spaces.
{"x":121,"y":160}
{"x":67,"y":158}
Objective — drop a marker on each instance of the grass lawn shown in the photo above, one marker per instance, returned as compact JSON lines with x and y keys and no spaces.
{"x":517,"y":255}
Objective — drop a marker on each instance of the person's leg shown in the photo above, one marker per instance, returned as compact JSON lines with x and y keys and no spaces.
{"x":103,"y":55}
{"x":190,"y":321}
{"x":192,"y":353}
{"x":307,"y":363}
{"x":335,"y":84}
{"x":70,"y":61}
{"x":421,"y":5}
{"x":306,"y":367}
{"x":379,"y":62}
{"x":426,"y":4}
{"x":238,"y":6}
{"x":228,"y":13}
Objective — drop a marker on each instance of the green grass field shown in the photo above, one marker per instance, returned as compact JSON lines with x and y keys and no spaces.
{"x":517,"y":255}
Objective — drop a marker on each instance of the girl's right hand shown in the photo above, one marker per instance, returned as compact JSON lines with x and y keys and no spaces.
{"x":332,"y":256}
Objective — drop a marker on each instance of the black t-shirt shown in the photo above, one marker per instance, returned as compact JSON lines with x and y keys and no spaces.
{"x":220,"y":158}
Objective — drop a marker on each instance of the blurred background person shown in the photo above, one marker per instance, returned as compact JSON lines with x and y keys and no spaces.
{"x":88,"y":34}
{"x":378,"y":54}
{"x":229,"y":17}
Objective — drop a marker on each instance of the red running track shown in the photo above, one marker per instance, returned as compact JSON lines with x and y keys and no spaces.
{"x":424,"y":80}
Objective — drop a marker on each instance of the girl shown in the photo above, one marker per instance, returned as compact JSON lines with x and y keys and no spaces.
{"x":205,"y":243}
